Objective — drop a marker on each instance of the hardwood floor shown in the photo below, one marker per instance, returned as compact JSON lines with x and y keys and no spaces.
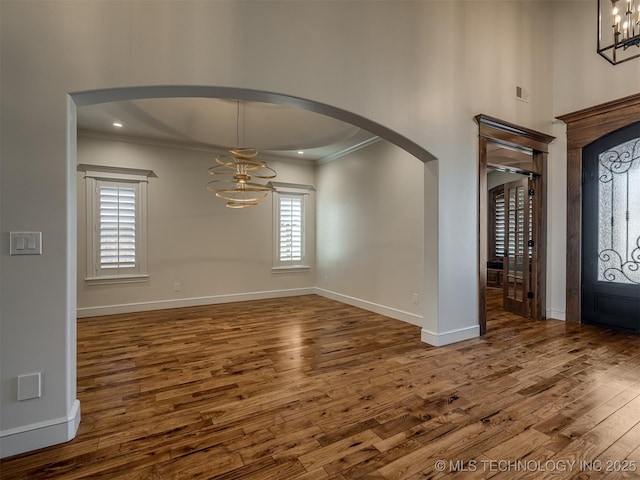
{"x":309,"y":388}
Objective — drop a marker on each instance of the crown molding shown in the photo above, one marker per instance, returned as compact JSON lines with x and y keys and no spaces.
{"x":348,"y":150}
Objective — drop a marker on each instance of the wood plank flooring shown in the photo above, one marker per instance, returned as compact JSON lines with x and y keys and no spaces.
{"x":309,"y":388}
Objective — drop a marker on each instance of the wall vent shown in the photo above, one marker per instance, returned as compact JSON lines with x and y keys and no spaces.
{"x":522,"y":94}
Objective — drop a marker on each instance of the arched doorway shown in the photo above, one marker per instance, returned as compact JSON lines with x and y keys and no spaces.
{"x":130,"y":93}
{"x":81,"y":99}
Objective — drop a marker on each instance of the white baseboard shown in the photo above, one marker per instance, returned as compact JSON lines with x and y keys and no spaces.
{"x":190,"y":302}
{"x":452,"y":336}
{"x":556,"y":315}
{"x":372,"y":307}
{"x":39,"y":435}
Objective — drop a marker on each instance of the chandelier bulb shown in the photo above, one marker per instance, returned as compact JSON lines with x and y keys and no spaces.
{"x":623,"y":41}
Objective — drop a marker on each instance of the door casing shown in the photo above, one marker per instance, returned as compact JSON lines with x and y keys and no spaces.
{"x":584,"y":127}
{"x":493,"y":129}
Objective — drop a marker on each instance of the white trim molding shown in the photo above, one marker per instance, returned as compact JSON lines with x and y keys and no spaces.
{"x":115,"y":173}
{"x":98,"y":179}
{"x":39,"y":435}
{"x":301,"y":188}
{"x":190,"y":302}
{"x":354,"y":148}
{"x":242,"y":297}
{"x":452,"y":336}
{"x":294,"y":269}
{"x":293,"y":195}
{"x":109,"y":280}
{"x":390,"y":312}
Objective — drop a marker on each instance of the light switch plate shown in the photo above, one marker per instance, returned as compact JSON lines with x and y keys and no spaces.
{"x":25,"y":243}
{"x":29,"y":386}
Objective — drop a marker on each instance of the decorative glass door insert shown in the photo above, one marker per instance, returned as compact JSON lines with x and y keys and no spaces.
{"x":619,"y":214}
{"x":611,"y":230}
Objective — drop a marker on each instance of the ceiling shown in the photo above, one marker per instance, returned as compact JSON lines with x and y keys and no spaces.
{"x":216,"y":124}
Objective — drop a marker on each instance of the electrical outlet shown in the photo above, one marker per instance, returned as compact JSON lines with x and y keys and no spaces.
{"x":416,"y":298}
{"x":326,"y":279}
{"x":177,"y":287}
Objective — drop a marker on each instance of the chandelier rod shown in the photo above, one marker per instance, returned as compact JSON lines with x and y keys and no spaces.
{"x":238,"y":122}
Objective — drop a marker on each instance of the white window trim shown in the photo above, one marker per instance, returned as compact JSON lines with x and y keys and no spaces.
{"x":290,"y":189}
{"x":93,"y":175}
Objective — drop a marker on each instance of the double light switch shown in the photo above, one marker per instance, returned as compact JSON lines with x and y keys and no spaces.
{"x":25,"y":243}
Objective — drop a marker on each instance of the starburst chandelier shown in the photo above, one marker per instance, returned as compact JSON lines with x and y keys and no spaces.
{"x":238,"y":174}
{"x":619,"y":30}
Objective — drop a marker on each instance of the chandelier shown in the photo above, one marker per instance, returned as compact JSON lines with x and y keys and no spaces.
{"x":619,"y":30}
{"x":238,"y":173}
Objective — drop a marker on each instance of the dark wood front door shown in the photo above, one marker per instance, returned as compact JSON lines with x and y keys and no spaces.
{"x":518,"y":237}
{"x":611,"y":230}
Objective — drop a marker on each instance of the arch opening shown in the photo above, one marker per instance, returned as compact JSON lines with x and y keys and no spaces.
{"x":174,"y":91}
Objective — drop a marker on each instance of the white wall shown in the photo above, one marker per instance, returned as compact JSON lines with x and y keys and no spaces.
{"x":582,"y":78}
{"x":423,"y":69}
{"x":370,"y":229}
{"x":193,"y":239}
{"x":488,"y":49}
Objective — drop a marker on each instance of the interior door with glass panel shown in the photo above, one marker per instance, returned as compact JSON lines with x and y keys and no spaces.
{"x":611,"y":230}
{"x":518,"y":247}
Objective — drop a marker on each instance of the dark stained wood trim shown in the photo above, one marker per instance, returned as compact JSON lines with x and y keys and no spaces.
{"x":589,"y":124}
{"x":491,"y":128}
{"x":584,"y":127}
{"x":539,"y":309}
{"x":574,"y":235}
{"x":482,"y":235}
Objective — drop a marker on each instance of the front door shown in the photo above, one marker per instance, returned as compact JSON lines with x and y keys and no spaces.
{"x":611,"y":231}
{"x":518,"y":247}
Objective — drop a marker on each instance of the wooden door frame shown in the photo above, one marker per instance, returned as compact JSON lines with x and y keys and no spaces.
{"x":584,"y":127}
{"x":493,"y":129}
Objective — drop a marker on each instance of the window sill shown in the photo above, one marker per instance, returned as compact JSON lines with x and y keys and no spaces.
{"x":113,"y":279}
{"x":292,"y":269}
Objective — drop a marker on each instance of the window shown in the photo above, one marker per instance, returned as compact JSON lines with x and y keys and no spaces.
{"x":291,"y":229}
{"x":290,"y":204}
{"x":116,"y":224}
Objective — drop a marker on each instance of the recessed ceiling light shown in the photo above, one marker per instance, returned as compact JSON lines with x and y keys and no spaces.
{"x":300,"y":152}
{"x":117,"y":124}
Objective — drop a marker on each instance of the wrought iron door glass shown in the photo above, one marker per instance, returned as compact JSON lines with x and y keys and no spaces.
{"x":619,"y":214}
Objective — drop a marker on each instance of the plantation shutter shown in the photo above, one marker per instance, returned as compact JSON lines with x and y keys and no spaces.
{"x":290,"y":244}
{"x":117,"y":239}
{"x":499,"y":227}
